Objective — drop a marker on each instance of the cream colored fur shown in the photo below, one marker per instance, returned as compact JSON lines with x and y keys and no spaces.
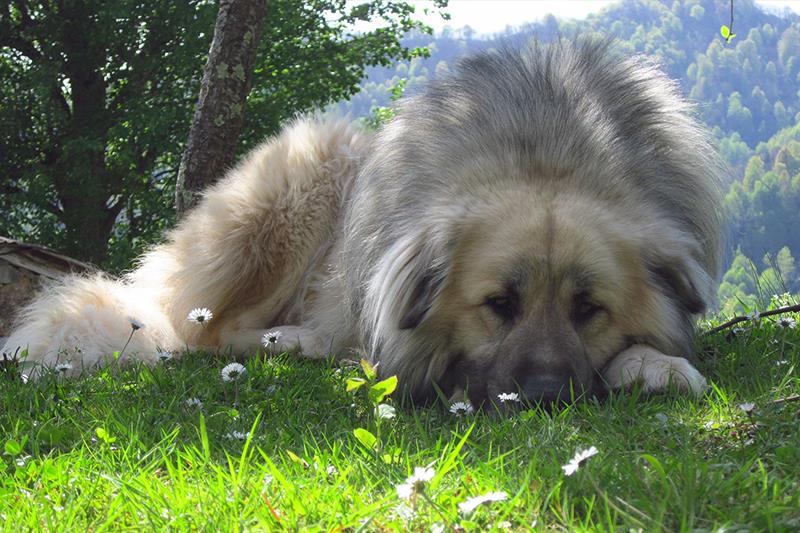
{"x":252,"y":252}
{"x":261,"y":251}
{"x":653,"y":371}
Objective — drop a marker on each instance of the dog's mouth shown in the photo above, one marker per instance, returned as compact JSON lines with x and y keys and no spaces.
{"x":468,"y":382}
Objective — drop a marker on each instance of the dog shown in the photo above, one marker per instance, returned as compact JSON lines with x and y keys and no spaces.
{"x":546,"y":220}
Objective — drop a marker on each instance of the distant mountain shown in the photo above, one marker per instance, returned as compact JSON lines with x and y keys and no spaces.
{"x":747,"y":90}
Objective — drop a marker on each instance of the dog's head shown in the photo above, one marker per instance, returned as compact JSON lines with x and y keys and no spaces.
{"x":533,"y":292}
{"x":527,"y":218}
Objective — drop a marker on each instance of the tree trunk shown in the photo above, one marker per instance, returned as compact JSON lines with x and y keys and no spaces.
{"x":84,"y":182}
{"x":219,"y":115}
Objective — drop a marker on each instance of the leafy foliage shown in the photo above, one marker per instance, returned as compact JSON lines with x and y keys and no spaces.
{"x":765,"y":205}
{"x":97,"y":99}
{"x":746,"y":287}
{"x":94,"y":97}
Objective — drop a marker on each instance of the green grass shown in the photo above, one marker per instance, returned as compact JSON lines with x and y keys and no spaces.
{"x":120,"y":450}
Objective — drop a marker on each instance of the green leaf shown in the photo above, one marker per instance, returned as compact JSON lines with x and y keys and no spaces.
{"x":726,"y":33}
{"x":13,"y":447}
{"x":787,"y":454}
{"x":657,"y":467}
{"x":355,"y":383}
{"x":370,"y":371}
{"x":293,"y":456}
{"x":382,"y":389}
{"x":103,"y":435}
{"x":297,"y":459}
{"x":366,"y":438}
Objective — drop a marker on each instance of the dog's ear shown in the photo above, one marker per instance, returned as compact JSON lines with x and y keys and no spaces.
{"x":421,"y":281}
{"x":407,"y":281}
{"x":674,"y":267}
{"x":423,"y":286}
{"x":679,"y":285}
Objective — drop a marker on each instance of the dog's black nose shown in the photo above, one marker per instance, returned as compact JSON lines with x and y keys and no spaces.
{"x":550,"y":388}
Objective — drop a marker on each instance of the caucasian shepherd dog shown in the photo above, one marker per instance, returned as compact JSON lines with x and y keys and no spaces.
{"x":543,"y":221}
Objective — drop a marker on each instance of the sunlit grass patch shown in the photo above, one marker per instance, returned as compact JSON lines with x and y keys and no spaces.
{"x":287,"y":446}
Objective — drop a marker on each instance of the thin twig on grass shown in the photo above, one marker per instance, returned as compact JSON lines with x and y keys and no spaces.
{"x":736,"y":320}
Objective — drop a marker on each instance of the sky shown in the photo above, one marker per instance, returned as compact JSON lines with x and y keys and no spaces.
{"x":491,"y":16}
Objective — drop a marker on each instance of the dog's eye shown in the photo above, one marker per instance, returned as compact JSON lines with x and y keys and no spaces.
{"x":585,"y":310}
{"x":503,"y":306}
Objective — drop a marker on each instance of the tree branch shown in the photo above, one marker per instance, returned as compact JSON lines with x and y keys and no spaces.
{"x":10,"y":188}
{"x":155,"y":41}
{"x":10,"y":39}
{"x":736,"y":320}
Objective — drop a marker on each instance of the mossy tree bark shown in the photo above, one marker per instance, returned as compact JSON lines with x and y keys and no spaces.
{"x":219,"y":114}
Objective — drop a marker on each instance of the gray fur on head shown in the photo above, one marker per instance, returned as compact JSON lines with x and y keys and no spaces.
{"x":576,"y":112}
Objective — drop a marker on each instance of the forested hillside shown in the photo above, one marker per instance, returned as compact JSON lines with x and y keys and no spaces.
{"x":747,"y":91}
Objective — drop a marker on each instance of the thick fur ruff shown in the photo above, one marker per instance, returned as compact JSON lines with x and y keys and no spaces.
{"x":541,"y":219}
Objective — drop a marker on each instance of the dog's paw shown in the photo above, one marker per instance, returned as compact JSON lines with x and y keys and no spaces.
{"x":654,"y":371}
{"x":297,"y":339}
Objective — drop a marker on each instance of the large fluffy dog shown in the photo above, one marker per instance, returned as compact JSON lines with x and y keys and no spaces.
{"x":540,"y":218}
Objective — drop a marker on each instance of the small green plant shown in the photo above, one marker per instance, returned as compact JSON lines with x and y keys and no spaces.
{"x":727,"y":30}
{"x":380,"y":115}
{"x":105,"y":436}
{"x":13,"y":448}
{"x":377,"y":392}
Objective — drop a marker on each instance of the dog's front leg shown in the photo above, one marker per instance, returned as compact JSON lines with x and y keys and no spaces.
{"x":653,"y":370}
{"x":276,"y":340}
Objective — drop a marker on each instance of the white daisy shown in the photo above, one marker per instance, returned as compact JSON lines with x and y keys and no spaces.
{"x":415,"y":483}
{"x":194,"y":402}
{"x":461,"y":408}
{"x":270,"y":338}
{"x":164,"y":355}
{"x":470,"y":504}
{"x":578,"y":459}
{"x":233,"y":372}
{"x":404,"y":491}
{"x":200,"y":315}
{"x":787,"y":322}
{"x":385,"y":411}
{"x":135,"y":324}
{"x":508,"y":397}
{"x":63,"y":368}
{"x":747,"y":407}
{"x":236,"y":435}
{"x":505,"y":524}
